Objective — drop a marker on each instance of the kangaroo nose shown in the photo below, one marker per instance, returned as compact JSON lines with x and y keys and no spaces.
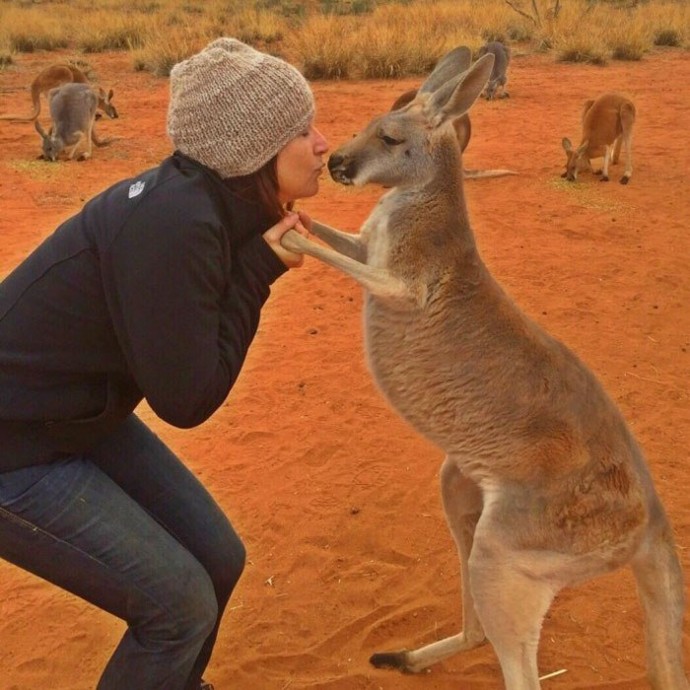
{"x":334,"y":161}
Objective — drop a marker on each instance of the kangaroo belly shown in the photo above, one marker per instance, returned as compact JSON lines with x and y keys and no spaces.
{"x":427,"y":371}
{"x":503,"y":398}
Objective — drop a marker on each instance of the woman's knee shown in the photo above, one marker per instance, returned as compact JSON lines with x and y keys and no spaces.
{"x":193,"y":609}
{"x":228,"y":565}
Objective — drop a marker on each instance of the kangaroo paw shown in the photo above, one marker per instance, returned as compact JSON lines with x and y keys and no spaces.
{"x":394,"y":660}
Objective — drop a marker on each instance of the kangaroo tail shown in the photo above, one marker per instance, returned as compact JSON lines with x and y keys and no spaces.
{"x":480,"y":174}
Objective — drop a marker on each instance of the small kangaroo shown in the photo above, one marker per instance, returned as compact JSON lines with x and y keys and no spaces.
{"x":73,"y":110}
{"x":54,"y":76}
{"x":105,"y":102}
{"x":607,"y":122}
{"x":543,"y":484}
{"x":495,"y":87}
{"x":463,"y":125}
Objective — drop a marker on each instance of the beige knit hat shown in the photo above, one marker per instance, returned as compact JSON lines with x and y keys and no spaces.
{"x":232,"y":108}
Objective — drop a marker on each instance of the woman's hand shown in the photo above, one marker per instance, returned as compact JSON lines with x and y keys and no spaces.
{"x":292,"y":221}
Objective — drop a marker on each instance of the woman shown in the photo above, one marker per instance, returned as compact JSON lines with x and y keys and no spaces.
{"x":152,"y":291}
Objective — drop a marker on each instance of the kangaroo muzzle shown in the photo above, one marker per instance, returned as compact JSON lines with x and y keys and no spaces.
{"x":341,"y":168}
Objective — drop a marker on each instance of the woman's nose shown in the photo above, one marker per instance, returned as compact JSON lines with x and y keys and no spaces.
{"x":321,"y":144}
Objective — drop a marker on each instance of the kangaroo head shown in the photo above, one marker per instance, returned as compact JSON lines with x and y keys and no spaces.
{"x":576,"y":160}
{"x":400,"y":147}
{"x":52,"y":144}
{"x":105,"y":104}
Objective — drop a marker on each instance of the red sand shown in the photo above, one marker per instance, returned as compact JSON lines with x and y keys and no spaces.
{"x":336,"y":497}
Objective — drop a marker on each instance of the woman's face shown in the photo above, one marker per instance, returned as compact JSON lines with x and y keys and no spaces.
{"x":299,"y":165}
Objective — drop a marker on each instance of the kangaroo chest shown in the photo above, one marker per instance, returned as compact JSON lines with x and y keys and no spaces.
{"x":409,"y":350}
{"x":376,"y":234}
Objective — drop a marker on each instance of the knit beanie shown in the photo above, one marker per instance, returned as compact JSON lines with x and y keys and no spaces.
{"x":233,"y":108}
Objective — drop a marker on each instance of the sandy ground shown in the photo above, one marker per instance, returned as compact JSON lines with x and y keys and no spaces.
{"x":336,"y":497}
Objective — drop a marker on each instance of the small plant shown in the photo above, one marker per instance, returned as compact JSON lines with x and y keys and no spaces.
{"x":668,"y":37}
{"x":345,"y":7}
{"x":629,"y":42}
{"x":576,"y":54}
{"x":628,"y":51}
{"x":162,"y":52}
{"x":520,"y":32}
{"x":259,"y":26}
{"x":112,"y":35}
{"x":320,"y":50}
{"x":291,"y":9}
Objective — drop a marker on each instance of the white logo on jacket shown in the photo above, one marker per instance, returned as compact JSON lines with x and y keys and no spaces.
{"x":136,"y":189}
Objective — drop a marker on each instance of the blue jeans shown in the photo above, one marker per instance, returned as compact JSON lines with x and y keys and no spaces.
{"x":129,"y":528}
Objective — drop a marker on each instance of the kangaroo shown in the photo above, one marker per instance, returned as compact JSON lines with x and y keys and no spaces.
{"x":499,"y":73}
{"x":73,"y":110}
{"x":54,"y":76}
{"x":105,"y":102}
{"x":543,"y":485}
{"x":463,"y":125}
{"x":607,"y":123}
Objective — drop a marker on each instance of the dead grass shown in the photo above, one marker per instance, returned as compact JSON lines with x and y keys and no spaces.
{"x":345,"y":38}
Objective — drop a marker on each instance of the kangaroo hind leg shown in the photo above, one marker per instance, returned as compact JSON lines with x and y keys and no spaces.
{"x":659,"y":579}
{"x":511,"y":605}
{"x":462,"y":503}
{"x":627,"y":121}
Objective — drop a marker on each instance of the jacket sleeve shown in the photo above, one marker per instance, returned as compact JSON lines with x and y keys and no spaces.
{"x":184,"y":310}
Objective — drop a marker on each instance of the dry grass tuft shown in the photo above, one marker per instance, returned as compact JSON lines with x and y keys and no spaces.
{"x":339,"y":39}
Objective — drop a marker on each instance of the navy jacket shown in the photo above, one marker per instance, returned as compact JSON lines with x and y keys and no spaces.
{"x":153,"y":290}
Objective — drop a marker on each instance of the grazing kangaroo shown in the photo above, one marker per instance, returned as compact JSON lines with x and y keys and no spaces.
{"x":462,"y":126}
{"x":54,"y":76}
{"x":499,"y":73}
{"x":105,"y":102}
{"x":543,"y":484}
{"x":607,"y":123}
{"x":73,"y":110}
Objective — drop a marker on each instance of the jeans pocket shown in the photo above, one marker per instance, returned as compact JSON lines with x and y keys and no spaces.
{"x":15,"y":484}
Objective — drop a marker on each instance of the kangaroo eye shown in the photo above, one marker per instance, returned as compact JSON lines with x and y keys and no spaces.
{"x":389,"y":141}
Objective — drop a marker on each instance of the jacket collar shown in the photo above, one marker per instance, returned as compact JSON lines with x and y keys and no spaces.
{"x":244,"y":219}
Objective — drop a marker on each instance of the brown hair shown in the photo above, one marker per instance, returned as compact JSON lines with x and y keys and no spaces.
{"x":260,"y":187}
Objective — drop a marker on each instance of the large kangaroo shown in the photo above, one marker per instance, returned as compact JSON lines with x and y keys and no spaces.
{"x":607,"y":123}
{"x":543,"y":484}
{"x":496,"y":86}
{"x":52,"y":77}
{"x":73,"y":109}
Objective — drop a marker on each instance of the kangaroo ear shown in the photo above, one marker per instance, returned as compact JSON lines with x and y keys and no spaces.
{"x":457,"y":97}
{"x":451,"y":65}
{"x":111,"y":93}
{"x":567,"y":144}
